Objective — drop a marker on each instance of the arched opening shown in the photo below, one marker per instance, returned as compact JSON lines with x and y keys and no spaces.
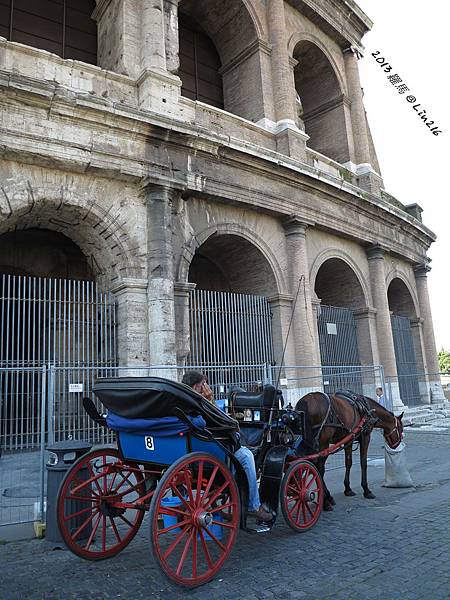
{"x":52,"y":313}
{"x":320,"y":102}
{"x":407,"y":343}
{"x":342,"y":326}
{"x":199,"y":64}
{"x":231,"y":317}
{"x":219,"y":60}
{"x":63,"y":27}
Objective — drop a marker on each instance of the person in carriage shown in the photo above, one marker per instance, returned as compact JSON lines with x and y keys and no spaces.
{"x":199,"y":382}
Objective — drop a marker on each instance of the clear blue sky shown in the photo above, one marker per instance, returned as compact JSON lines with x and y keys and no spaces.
{"x":413,"y":36}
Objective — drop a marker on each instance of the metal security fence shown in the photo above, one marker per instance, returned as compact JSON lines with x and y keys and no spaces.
{"x":56,"y":322}
{"x":419,"y":389}
{"x":405,"y":357}
{"x":233,"y":330}
{"x":339,"y":349}
{"x":60,"y":416}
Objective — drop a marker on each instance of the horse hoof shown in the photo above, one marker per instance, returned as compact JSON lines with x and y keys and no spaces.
{"x":328,"y":507}
{"x":332,"y":502}
{"x":369,"y":495}
{"x":349,"y":493}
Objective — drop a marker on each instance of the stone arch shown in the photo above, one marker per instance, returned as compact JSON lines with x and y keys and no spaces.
{"x":407,"y":337}
{"x":239,"y":231}
{"x":98,"y":230}
{"x":235,"y":31}
{"x":344,"y":318}
{"x":401,"y":295}
{"x":222,"y":22}
{"x":333,"y":254}
{"x":43,"y":253}
{"x":321,"y":96}
{"x":303,"y":36}
{"x":255,"y":18}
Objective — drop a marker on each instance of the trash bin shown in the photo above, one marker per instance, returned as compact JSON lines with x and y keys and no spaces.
{"x":61,"y":457}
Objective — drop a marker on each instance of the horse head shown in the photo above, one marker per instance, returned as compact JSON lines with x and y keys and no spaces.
{"x":393,"y":431}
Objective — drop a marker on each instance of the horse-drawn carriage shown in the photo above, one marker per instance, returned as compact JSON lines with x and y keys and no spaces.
{"x":175,"y":460}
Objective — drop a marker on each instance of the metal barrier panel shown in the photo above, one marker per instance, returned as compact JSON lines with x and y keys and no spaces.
{"x":297,"y":381}
{"x":405,"y":359}
{"x":232,"y":332}
{"x":22,"y":472}
{"x":21,"y":468}
{"x":339,"y":346}
{"x":56,"y":322}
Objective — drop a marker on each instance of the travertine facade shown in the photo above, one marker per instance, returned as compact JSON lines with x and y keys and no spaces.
{"x":282,"y":183}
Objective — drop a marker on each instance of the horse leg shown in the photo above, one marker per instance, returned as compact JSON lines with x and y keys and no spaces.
{"x":363,"y":449}
{"x":348,"y":465}
{"x":328,"y":500}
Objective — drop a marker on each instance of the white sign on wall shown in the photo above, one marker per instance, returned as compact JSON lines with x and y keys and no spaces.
{"x":331,"y":329}
{"x":76,"y":387}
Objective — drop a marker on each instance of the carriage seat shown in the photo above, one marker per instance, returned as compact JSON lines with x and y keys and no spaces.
{"x":162,"y":426}
{"x":156,"y":398}
{"x":251,"y":407}
{"x":252,"y":411}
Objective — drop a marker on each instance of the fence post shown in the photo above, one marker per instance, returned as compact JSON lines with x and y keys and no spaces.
{"x":51,"y":405}
{"x":267,"y":373}
{"x":42,"y":440}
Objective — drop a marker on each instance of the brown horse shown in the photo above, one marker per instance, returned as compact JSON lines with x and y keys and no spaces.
{"x":329,"y":419}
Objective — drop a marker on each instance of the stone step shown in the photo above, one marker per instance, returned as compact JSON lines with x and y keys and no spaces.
{"x":421,"y":415}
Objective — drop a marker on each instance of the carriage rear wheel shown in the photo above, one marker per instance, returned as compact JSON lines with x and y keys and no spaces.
{"x":97,"y":515}
{"x":194,"y":519}
{"x":301,"y":495}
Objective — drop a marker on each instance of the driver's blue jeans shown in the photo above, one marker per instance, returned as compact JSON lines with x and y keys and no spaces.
{"x":247,"y":460}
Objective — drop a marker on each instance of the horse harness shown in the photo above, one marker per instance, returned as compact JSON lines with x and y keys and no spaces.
{"x":361,"y":411}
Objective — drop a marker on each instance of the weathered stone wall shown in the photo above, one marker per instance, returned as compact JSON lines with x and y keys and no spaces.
{"x":161,"y":193}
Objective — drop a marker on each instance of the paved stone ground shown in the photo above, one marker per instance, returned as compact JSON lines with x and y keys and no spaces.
{"x":394,"y":547}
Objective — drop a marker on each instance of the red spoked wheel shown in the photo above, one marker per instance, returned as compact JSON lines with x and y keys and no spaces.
{"x":194,"y":519}
{"x":301,"y":495}
{"x":96,"y":507}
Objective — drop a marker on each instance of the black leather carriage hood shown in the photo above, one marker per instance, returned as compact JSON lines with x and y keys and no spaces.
{"x":153,"y":397}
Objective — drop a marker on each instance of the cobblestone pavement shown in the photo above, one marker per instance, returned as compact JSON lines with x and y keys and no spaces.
{"x":394,"y":547}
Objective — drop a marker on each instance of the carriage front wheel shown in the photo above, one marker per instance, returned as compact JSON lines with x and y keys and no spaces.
{"x":194,"y":519}
{"x":97,"y":514}
{"x":301,"y":495}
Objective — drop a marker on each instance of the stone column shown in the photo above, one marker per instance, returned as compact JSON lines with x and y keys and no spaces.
{"x":361,"y":138}
{"x":182,"y":319}
{"x":366,"y":333}
{"x":132,"y":331}
{"x":368,"y":178}
{"x":172,"y":35}
{"x":283,"y":89}
{"x":161,"y":305}
{"x":303,"y":325}
{"x":159,"y":89}
{"x":386,"y":349}
{"x":429,"y":343}
{"x":281,"y":306}
{"x":153,"y":35}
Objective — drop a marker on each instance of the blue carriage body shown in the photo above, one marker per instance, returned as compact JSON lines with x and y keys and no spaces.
{"x":162,"y":441}
{"x":145,"y":413}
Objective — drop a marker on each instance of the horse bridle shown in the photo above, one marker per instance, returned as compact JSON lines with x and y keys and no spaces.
{"x":396,"y":430}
